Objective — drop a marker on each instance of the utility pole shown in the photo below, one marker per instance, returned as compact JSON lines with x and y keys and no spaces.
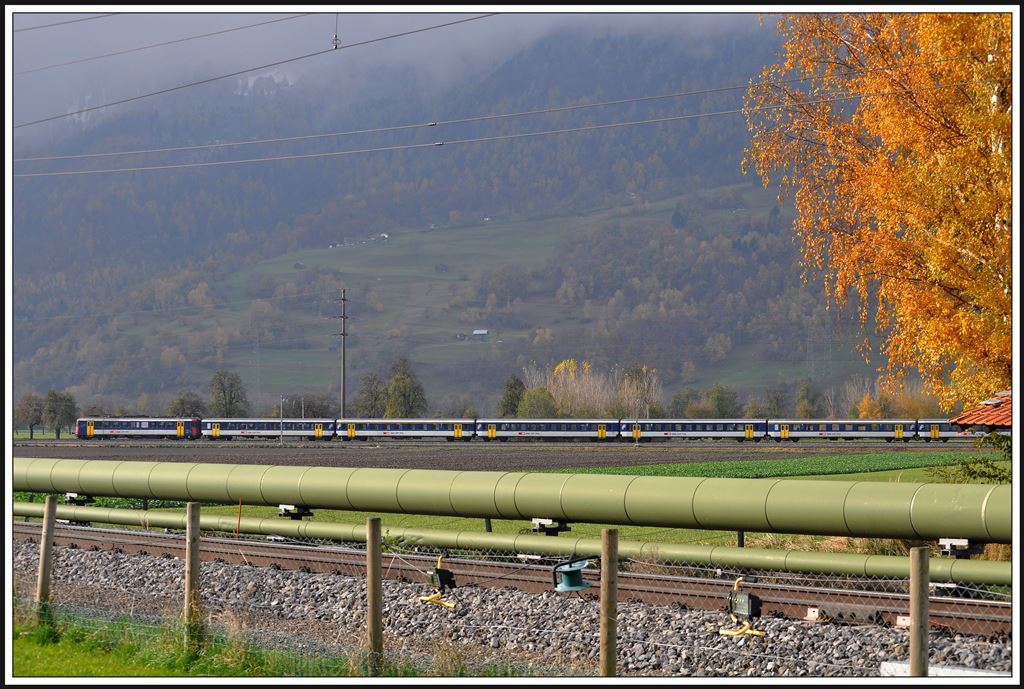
{"x":259,"y":390}
{"x":344,"y":338}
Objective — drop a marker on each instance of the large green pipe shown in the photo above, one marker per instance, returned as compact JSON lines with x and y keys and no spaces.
{"x":940,"y":569}
{"x":833,"y":508}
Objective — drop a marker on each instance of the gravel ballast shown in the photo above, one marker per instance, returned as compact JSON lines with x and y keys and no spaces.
{"x":552,"y":632}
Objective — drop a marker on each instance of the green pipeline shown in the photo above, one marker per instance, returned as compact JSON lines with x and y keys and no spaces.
{"x":940,"y":569}
{"x":927,"y":511}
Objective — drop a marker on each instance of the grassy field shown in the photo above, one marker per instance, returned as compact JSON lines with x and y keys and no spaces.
{"x":38,"y":434}
{"x":400,"y":289}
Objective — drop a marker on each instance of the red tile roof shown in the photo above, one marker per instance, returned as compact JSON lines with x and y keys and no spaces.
{"x":997,"y":411}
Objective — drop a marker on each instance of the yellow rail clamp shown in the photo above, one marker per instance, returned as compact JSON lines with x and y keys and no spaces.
{"x":743,"y":604}
{"x":443,"y":580}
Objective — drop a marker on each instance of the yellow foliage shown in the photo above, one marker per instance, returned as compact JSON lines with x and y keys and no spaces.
{"x":868,"y":408}
{"x":892,"y":132}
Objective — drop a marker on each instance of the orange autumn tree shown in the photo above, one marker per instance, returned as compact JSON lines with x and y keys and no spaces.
{"x":892,"y":133}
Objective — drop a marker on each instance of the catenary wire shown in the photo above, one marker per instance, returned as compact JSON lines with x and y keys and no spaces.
{"x":250,"y":69}
{"x":500,"y":137}
{"x":464,"y":120}
{"x":70,"y":21}
{"x":158,"y":45}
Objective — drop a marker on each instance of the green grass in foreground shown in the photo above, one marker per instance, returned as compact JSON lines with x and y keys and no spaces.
{"x":66,"y":657}
{"x":79,"y":647}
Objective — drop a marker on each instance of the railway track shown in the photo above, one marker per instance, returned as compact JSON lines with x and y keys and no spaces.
{"x":654,"y":585}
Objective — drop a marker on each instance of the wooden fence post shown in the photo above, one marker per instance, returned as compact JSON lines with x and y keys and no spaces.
{"x":919,"y":611}
{"x":46,"y":562}
{"x":193,"y":611}
{"x":374,"y":624}
{"x":609,"y":599}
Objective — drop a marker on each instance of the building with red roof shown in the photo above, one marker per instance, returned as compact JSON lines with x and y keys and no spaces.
{"x":992,"y":415}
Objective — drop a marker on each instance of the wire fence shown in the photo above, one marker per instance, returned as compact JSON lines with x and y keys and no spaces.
{"x":450,"y":612}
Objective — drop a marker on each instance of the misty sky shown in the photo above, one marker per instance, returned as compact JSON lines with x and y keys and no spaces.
{"x":441,"y":54}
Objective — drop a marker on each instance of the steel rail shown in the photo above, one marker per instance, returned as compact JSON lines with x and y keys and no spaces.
{"x":822,"y":602}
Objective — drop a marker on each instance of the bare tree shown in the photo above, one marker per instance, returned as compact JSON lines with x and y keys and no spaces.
{"x":29,"y":412}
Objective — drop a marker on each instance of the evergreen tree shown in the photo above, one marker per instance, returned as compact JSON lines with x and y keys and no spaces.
{"x":513,"y":395}
{"x":807,"y":402}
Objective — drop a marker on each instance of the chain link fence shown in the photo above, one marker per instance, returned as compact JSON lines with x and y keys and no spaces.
{"x":450,"y":612}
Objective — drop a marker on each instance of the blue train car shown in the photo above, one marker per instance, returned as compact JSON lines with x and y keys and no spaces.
{"x":548,"y":429}
{"x":884,"y":429}
{"x":364,"y":429}
{"x":665,"y":429}
{"x":307,"y":429}
{"x":95,"y":427}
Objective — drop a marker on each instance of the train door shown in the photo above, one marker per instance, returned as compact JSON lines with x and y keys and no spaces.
{"x":181,"y":429}
{"x":90,"y":428}
{"x":458,"y":431}
{"x":492,"y":430}
{"x":636,"y":431}
{"x":215,"y":430}
{"x":784,"y":431}
{"x":351,"y":431}
{"x":748,"y":431}
{"x":318,"y":430}
{"x":899,"y":431}
{"x":935,"y":431}
{"x":602,"y":431}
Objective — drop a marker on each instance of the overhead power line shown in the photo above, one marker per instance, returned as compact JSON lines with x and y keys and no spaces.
{"x":70,"y":21}
{"x":158,"y":45}
{"x":464,"y":120}
{"x":250,"y":69}
{"x":379,"y":130}
{"x":504,"y":137}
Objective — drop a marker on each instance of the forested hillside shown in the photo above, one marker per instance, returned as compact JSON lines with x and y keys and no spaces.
{"x":641,"y":244}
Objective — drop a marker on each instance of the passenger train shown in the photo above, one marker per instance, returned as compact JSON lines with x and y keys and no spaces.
{"x":638,"y":430}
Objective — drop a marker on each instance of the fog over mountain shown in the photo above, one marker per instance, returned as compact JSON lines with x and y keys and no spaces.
{"x":566,"y":233}
{"x":436,"y":57}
